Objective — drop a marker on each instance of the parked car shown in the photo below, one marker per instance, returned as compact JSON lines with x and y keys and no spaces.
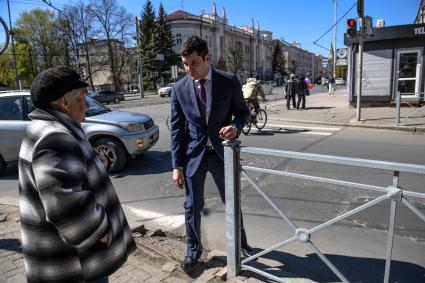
{"x":119,"y":135}
{"x":166,"y":90}
{"x":106,"y":96}
{"x":339,"y":81}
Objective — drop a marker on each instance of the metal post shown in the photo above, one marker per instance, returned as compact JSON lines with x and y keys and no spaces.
{"x":391,"y":231}
{"x":233,"y":206}
{"x":12,"y":35}
{"x":139,"y":59}
{"x":397,"y":109}
{"x":360,"y":71}
{"x":335,"y":44}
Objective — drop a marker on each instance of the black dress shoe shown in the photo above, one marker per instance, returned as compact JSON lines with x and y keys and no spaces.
{"x":188,"y":263}
{"x":247,"y":251}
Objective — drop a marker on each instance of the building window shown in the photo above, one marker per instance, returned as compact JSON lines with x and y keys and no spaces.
{"x":178,"y":38}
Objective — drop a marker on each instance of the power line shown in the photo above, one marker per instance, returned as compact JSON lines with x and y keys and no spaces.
{"x":53,"y":6}
{"x":315,"y":42}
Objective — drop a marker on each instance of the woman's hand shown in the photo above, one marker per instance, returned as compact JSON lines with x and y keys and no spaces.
{"x":101,"y":157}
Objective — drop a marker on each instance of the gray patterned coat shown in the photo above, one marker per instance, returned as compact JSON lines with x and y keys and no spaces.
{"x":67,"y":203}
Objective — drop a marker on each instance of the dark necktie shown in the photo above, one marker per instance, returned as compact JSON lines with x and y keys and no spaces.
{"x":202,"y":100}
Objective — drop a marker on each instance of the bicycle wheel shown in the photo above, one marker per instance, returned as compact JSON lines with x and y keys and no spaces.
{"x":261,"y":119}
{"x":247,"y":128}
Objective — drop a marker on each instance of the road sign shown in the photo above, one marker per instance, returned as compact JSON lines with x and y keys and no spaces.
{"x":341,"y":53}
{"x":341,"y":56}
{"x":368,"y":31}
{"x":174,"y":74}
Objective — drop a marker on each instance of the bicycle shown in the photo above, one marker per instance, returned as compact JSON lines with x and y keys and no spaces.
{"x":259,"y":119}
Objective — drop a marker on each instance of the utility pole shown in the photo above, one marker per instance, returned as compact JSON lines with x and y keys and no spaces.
{"x":360,"y":12}
{"x":12,"y":35}
{"x":139,"y":58}
{"x":335,"y":24}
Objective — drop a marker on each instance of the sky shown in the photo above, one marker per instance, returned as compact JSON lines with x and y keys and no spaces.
{"x":303,"y":21}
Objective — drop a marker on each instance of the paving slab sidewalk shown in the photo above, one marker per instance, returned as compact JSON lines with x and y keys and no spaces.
{"x":325,"y":109}
{"x":142,"y":266}
{"x":149,"y":263}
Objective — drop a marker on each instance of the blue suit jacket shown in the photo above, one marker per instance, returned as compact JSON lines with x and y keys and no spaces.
{"x":189,"y":131}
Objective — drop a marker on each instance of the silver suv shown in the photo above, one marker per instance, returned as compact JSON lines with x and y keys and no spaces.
{"x":119,"y":135}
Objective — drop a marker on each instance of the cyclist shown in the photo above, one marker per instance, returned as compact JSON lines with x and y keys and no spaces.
{"x":251,"y":90}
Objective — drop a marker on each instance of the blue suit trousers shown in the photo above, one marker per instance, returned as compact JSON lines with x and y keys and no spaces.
{"x":194,"y":203}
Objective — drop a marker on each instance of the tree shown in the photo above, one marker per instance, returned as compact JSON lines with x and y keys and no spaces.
{"x":163,"y":41}
{"x":147,"y":45}
{"x":39,"y":30}
{"x":77,"y":22}
{"x":235,"y":57}
{"x":221,"y":64}
{"x":7,"y":74}
{"x":113,"y":25}
{"x":279,"y":60}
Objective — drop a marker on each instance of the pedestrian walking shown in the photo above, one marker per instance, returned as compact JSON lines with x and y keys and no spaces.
{"x":301,"y":92}
{"x":332,"y":85}
{"x":72,"y":223}
{"x":291,"y":90}
{"x":202,"y":106}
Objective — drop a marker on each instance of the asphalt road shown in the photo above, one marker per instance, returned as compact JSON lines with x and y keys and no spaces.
{"x":356,"y":245}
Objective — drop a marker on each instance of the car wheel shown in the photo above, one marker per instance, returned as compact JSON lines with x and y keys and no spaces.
{"x":161,"y":95}
{"x":116,"y":100}
{"x":169,"y":93}
{"x":114,"y":152}
{"x":3,"y":165}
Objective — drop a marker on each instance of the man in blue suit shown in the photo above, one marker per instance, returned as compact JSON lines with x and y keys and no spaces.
{"x":207,"y":107}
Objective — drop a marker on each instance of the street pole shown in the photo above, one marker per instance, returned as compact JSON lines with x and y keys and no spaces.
{"x":139,"y":58}
{"x":12,"y":35}
{"x":334,"y":63}
{"x":360,"y":12}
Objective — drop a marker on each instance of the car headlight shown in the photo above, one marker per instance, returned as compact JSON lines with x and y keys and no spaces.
{"x":132,"y":126}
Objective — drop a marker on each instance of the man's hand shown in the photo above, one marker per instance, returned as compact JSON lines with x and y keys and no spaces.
{"x":178,"y":177}
{"x":228,"y":133}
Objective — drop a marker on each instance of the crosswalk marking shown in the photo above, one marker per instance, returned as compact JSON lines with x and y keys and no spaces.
{"x":301,"y":132}
{"x":303,"y":127}
{"x":166,"y":221}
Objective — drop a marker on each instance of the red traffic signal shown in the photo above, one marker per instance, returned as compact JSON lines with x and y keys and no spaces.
{"x":351,"y":27}
{"x":351,"y":23}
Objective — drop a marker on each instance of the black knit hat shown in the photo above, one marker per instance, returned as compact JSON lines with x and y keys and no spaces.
{"x":53,"y":83}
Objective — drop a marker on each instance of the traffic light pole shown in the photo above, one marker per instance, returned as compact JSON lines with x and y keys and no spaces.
{"x":360,"y":63}
{"x":335,"y":44}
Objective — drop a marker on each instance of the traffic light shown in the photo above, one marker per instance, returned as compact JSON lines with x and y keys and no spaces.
{"x":351,"y":27}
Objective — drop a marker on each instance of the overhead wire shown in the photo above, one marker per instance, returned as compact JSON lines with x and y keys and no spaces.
{"x":342,"y":17}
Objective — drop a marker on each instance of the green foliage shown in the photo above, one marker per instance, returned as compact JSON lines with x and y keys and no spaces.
{"x":163,"y":42}
{"x":7,"y":74}
{"x":39,"y":29}
{"x":147,"y":44}
{"x":341,"y":72}
{"x":278,"y":60}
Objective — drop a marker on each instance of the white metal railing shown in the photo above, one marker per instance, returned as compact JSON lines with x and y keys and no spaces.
{"x":398,"y":103}
{"x":233,"y":171}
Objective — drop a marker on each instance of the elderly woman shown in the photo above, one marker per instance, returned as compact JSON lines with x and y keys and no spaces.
{"x":73,"y":226}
